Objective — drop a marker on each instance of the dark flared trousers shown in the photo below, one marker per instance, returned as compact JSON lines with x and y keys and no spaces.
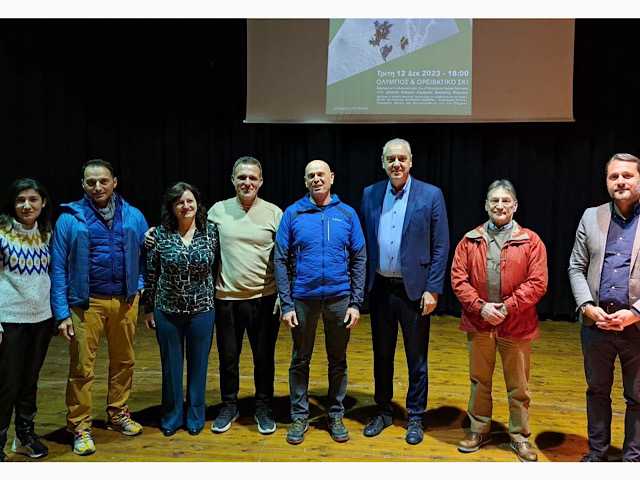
{"x":180,"y":334}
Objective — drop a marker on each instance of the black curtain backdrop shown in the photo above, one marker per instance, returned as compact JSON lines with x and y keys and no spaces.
{"x":164,"y":100}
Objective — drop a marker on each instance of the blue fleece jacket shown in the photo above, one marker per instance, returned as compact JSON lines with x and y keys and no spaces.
{"x":320,"y":253}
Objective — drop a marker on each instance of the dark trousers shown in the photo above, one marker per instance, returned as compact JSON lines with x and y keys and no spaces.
{"x":22,"y":352}
{"x":262,"y":326}
{"x":600,"y":348}
{"x":172,"y":332}
{"x":333,"y":311}
{"x":390,"y":306}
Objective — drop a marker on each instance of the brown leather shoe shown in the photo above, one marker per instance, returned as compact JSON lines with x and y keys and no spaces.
{"x":473,"y":441}
{"x":525,"y":451}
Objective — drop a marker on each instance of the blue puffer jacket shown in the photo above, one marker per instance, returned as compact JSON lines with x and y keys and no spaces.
{"x":320,"y":253}
{"x":106,"y":252}
{"x":71,"y":262}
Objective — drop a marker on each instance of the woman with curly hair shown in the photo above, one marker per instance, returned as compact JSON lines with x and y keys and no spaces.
{"x":179,"y":294}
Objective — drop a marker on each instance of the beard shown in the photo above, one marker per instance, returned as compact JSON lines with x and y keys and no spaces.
{"x":624,"y":194}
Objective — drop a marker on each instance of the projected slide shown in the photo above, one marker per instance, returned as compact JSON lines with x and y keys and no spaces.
{"x":399,"y":66}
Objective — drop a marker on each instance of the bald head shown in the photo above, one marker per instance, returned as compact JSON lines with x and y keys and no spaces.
{"x":317,"y":164}
{"x":318,"y":178}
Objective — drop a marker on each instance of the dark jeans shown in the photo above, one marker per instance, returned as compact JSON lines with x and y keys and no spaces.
{"x":600,"y":348}
{"x":308,"y":312}
{"x":172,"y":330}
{"x":22,"y":352}
{"x":262,"y":326}
{"x":389,"y":305}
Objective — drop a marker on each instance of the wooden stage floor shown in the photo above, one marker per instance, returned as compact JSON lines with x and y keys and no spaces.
{"x":558,"y":418}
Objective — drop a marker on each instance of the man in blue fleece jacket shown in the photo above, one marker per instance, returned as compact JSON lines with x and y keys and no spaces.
{"x":97,"y":272}
{"x":320,"y":263}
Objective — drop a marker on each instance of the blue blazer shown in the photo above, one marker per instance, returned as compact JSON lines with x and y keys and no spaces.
{"x":425,"y":236}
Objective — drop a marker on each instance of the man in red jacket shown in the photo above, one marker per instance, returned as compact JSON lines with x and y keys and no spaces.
{"x":499,"y":274}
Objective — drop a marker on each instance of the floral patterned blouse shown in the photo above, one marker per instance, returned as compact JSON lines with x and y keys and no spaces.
{"x":180,"y":278}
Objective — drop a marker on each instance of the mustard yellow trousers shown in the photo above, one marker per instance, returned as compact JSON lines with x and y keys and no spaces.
{"x":117,"y":319}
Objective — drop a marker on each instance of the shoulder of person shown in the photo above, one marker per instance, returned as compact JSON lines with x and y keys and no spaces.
{"x":348,"y":208}
{"x":592,"y":211}
{"x":67,"y":219}
{"x":129,"y":209}
{"x":381,"y":184}
{"x":220,"y":204}
{"x":425,"y":187}
{"x":211,"y":229}
{"x":535,"y":238}
{"x":272,"y":206}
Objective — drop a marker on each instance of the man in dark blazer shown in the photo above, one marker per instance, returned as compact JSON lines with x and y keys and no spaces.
{"x":605,"y":280}
{"x":405,"y":224}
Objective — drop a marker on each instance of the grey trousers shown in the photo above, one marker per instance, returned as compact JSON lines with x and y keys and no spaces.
{"x":333,"y":311}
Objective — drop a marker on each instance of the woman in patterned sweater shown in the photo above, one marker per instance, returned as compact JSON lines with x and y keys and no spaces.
{"x":179,"y":293}
{"x":25,"y":312}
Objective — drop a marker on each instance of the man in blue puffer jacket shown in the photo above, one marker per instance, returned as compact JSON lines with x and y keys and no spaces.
{"x":320,"y":264}
{"x":97,"y":272}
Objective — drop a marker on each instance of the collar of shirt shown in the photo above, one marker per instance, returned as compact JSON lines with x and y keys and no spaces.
{"x":506,"y":227}
{"x":402,"y":192}
{"x":615,"y":212}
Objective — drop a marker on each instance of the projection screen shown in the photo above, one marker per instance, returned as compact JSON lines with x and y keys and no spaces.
{"x":409,"y":70}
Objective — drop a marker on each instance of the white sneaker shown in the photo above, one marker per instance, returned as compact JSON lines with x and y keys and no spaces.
{"x":83,"y":443}
{"x":122,"y":423}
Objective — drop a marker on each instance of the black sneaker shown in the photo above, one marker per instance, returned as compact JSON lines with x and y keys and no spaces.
{"x":3,"y":457}
{"x":29,"y":444}
{"x":338,"y":431}
{"x":264,"y":418}
{"x":295,"y":435}
{"x":223,"y":422}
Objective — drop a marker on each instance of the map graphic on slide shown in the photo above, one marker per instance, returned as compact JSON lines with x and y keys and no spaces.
{"x":399,"y":66}
{"x":361,"y":44}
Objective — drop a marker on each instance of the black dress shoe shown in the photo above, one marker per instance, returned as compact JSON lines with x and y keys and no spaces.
{"x":168,"y":432}
{"x":414,"y":431}
{"x":376,"y":425}
{"x":590,"y":457}
{"x":194,"y":431}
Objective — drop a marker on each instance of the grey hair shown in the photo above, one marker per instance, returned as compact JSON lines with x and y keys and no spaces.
{"x":623,"y":157}
{"x":503,"y":183}
{"x":396,"y":140}
{"x":246,"y":161}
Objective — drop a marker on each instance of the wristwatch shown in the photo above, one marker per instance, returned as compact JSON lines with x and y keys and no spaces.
{"x":584,"y":306}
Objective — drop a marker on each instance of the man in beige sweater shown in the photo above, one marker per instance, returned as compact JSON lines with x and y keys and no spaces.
{"x":246,"y":297}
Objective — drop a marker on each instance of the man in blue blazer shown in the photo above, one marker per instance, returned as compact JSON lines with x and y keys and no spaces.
{"x":405,"y":224}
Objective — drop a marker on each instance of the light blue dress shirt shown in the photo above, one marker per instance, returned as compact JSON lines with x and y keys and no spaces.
{"x":394,"y":207}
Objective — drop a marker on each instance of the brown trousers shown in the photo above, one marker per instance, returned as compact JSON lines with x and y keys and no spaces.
{"x":515,"y":355}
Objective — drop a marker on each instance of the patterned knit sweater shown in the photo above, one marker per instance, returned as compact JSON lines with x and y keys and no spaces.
{"x":24,"y":275}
